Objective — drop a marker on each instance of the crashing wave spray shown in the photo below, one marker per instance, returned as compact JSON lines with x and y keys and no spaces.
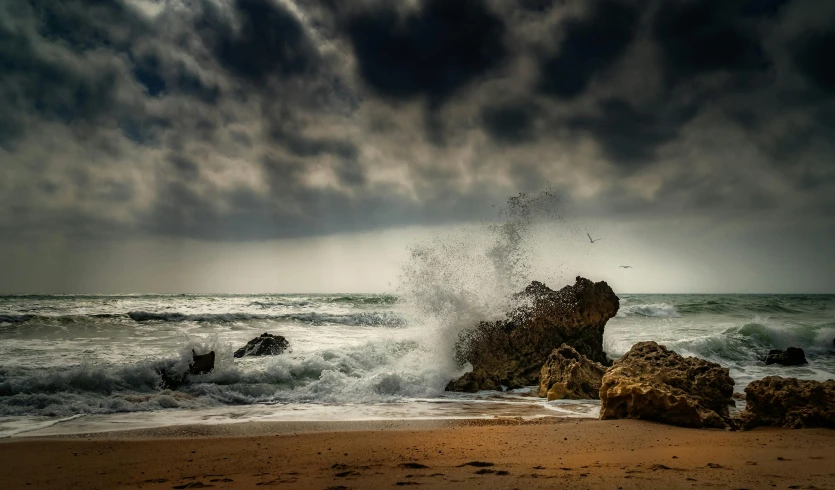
{"x":471,"y":274}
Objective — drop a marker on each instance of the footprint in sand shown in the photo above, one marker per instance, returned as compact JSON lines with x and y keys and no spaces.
{"x":194,"y":484}
{"x":413,"y":466}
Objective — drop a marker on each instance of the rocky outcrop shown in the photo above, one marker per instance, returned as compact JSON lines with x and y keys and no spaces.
{"x":172,"y":378}
{"x":569,"y":374}
{"x":201,"y":364}
{"x":789,"y":402}
{"x":265,"y":345}
{"x":653,"y":383}
{"x":510,"y":353}
{"x":793,"y":356}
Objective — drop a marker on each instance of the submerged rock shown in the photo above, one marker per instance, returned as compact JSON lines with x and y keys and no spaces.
{"x":171,"y":378}
{"x":653,"y":383}
{"x":569,"y":374}
{"x":789,"y":402}
{"x":793,"y":356}
{"x":201,"y":364}
{"x":510,"y":353}
{"x":265,"y":345}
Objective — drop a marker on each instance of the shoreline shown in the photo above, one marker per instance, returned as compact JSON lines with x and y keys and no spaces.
{"x":512,"y":453}
{"x":279,"y":428}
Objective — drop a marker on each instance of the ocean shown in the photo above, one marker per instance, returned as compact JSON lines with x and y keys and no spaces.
{"x":76,"y":363}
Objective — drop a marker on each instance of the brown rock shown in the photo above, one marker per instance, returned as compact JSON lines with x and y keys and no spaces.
{"x":789,"y":402}
{"x":653,"y":383}
{"x":571,"y":375}
{"x":558,"y":391}
{"x":264,"y":345}
{"x":511,"y":352}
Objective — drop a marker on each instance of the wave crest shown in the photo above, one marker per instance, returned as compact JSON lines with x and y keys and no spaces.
{"x":658,"y":310}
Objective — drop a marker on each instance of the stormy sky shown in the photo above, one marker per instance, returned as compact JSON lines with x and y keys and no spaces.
{"x":305,"y":145}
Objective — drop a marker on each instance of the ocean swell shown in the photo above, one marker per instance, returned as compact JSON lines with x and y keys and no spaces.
{"x":368,"y":318}
{"x":660,"y":310}
{"x":388,"y":319}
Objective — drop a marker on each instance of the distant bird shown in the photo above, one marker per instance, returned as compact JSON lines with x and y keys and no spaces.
{"x":626,"y":267}
{"x":593,"y":239}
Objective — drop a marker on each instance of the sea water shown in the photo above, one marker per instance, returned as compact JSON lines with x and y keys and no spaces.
{"x":87,"y":363}
{"x":79,"y":363}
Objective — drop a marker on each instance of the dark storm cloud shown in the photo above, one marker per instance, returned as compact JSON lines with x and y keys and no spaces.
{"x":540,"y":6}
{"x":630,"y":136}
{"x":814,"y":54}
{"x":510,"y":123}
{"x":591,"y":44}
{"x":267,"y":40}
{"x":254,"y":119}
{"x":432,"y":52}
{"x":697,"y":37}
{"x":70,"y":83}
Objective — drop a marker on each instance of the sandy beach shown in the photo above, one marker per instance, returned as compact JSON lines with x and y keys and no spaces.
{"x":553,"y":453}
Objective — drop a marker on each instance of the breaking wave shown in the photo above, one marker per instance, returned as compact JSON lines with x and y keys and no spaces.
{"x":389,"y":319}
{"x":379,"y":371}
{"x":661,"y":310}
{"x":372,"y":318}
{"x":751,"y":341}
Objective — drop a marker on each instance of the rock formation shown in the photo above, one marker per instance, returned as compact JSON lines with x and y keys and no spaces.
{"x":201,"y":364}
{"x":793,"y":356}
{"x":265,"y":345}
{"x":510,"y":353}
{"x":789,"y":402}
{"x":653,"y":383}
{"x":172,"y":378}
{"x":569,"y":374}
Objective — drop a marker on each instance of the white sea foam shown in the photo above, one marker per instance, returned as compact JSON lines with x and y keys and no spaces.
{"x":660,"y":310}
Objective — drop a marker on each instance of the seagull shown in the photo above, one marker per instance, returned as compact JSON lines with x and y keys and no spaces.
{"x":593,"y":239}
{"x":626,"y":267}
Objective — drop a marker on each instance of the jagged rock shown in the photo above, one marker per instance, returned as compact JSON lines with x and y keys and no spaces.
{"x":653,"y":383}
{"x":793,"y":356}
{"x":569,"y":374}
{"x":201,"y":364}
{"x":171,"y":378}
{"x":510,"y":353}
{"x":265,"y":345}
{"x":789,"y":402}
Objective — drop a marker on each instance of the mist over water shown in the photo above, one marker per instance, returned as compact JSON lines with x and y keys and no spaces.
{"x":355,"y":356}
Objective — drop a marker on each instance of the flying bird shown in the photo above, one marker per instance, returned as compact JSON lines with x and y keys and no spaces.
{"x":593,"y":239}
{"x":626,"y":267}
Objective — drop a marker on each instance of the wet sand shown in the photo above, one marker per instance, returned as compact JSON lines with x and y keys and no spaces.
{"x":552,"y":453}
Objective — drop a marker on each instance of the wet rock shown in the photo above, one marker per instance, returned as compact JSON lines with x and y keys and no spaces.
{"x":169,"y":378}
{"x":172,"y":378}
{"x":789,"y":402}
{"x":510,"y":353}
{"x":569,"y":374}
{"x":265,"y":345}
{"x":201,"y":364}
{"x":653,"y":383}
{"x":793,"y":356}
